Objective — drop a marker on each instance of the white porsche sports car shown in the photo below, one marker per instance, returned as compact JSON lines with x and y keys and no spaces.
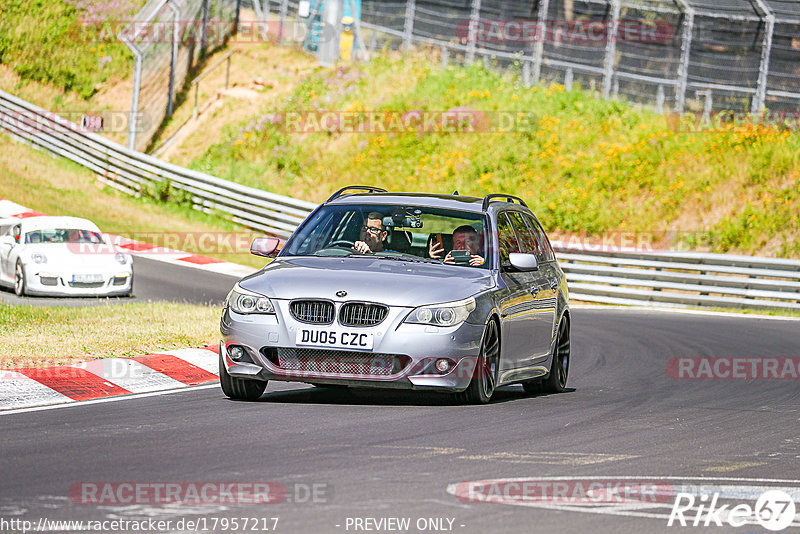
{"x":61,"y":256}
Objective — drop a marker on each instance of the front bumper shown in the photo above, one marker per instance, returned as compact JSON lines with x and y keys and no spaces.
{"x":414,"y":348}
{"x":56,"y":282}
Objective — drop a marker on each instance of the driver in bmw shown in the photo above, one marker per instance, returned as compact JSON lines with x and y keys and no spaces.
{"x":373,"y":235}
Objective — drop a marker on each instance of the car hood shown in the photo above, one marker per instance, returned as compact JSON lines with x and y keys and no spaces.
{"x":391,"y":282}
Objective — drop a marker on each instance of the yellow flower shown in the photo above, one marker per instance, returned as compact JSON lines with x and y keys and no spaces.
{"x":514,"y":97}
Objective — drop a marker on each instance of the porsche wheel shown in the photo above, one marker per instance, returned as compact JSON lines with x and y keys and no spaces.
{"x":20,"y":287}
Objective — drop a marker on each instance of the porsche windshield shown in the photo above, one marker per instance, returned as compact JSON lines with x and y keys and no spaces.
{"x":63,"y":235}
{"x":412,"y":233}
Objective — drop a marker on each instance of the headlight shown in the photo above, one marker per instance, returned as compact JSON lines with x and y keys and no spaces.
{"x":445,"y":314}
{"x":39,"y":258}
{"x":122,"y":259}
{"x":243,"y":301}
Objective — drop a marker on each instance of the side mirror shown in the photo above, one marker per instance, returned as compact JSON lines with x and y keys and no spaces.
{"x":265,"y":246}
{"x":523,"y":262}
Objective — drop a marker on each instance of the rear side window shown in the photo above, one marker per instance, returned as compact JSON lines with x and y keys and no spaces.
{"x":527,"y":240}
{"x":541,"y":238}
{"x":506,"y":238}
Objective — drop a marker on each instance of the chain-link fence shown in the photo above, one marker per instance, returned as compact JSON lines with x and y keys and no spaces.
{"x":705,"y":55}
{"x":167,"y":38}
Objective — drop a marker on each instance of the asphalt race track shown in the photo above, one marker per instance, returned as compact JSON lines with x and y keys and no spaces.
{"x":152,"y":281}
{"x":388,"y":454}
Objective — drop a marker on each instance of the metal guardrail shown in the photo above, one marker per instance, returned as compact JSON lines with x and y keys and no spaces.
{"x":133,"y":172}
{"x":676,"y":279}
{"x":680,"y":279}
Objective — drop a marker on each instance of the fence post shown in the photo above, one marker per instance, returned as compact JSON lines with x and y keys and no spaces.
{"x":474,"y":18}
{"x":236,"y":15}
{"x":358,"y":36}
{"x":204,"y":34}
{"x":282,"y":20}
{"x":137,"y":85}
{"x":445,"y":56}
{"x":408,"y":28}
{"x":174,"y":59}
{"x":611,"y":48}
{"x":660,"y":98}
{"x":759,"y":99}
{"x":568,"y":80}
{"x":373,"y":42}
{"x":541,"y":33}
{"x":686,"y":48}
{"x":526,"y":71}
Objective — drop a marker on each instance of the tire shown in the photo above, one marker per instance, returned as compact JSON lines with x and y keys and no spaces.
{"x":238,"y":388}
{"x":484,"y":377}
{"x":556,"y":381}
{"x":20,"y":287}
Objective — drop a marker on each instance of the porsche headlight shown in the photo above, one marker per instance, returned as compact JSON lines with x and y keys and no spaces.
{"x":39,"y":258}
{"x":445,"y":314}
{"x":241,"y":300}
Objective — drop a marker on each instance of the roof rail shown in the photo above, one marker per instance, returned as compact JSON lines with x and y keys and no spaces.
{"x":509,"y":198}
{"x":367,"y":188}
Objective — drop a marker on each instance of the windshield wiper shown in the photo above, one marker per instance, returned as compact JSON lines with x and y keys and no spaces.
{"x":409,"y":258}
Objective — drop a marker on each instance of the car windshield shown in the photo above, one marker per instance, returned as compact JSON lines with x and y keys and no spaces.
{"x":394,"y":232}
{"x":63,"y":235}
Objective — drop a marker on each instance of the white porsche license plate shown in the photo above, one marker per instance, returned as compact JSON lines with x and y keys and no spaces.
{"x":333,"y":338}
{"x":87,"y":278}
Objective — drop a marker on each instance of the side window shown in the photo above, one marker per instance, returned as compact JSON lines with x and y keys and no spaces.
{"x":527,"y":241}
{"x":16,"y":233}
{"x":541,"y":237}
{"x":506,"y":238}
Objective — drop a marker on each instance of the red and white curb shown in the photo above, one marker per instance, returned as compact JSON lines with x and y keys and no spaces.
{"x":9,"y":209}
{"x":111,"y":377}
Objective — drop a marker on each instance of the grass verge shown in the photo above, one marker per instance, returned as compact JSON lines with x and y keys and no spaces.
{"x":38,"y":336}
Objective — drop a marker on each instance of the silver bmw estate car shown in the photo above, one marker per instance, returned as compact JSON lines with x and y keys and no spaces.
{"x":402,"y":290}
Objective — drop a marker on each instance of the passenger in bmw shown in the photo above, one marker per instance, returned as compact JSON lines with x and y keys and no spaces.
{"x":373,"y":234}
{"x":465,"y":239}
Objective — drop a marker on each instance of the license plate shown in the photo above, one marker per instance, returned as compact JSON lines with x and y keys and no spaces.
{"x":334,"y":338}
{"x":87,"y":278}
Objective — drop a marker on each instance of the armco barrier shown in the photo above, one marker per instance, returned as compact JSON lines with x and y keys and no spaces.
{"x":680,"y":279}
{"x":672,"y":279}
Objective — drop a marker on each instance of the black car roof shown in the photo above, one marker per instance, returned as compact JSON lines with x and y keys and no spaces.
{"x":433,"y":200}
